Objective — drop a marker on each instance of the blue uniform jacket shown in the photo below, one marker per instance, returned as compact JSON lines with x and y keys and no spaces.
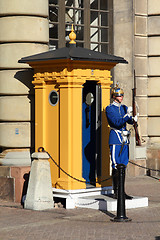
{"x":117,"y":118}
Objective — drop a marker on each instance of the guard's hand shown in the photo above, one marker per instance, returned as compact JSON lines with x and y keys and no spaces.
{"x":135,"y":118}
{"x":129,"y":111}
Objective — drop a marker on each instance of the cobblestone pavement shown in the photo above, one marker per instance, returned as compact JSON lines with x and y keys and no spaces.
{"x":17,"y":223}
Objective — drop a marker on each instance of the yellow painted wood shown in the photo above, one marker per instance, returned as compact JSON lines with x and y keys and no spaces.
{"x":71,"y":134}
{"x":47,"y":121}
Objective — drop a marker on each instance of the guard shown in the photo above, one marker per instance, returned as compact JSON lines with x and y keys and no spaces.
{"x":118,"y":115}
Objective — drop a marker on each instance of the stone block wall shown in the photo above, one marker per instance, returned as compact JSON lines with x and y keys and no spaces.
{"x":141,"y":32}
{"x":123,"y":46}
{"x":13,"y":182}
{"x":153,"y":153}
{"x":24,"y":31}
{"x":153,"y":71}
{"x":140,"y":53}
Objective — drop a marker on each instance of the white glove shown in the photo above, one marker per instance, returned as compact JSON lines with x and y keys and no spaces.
{"x":135,"y":118}
{"x":129,"y":111}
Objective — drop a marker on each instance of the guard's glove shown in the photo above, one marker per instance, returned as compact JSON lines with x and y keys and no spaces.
{"x":135,"y":118}
{"x":129,"y":111}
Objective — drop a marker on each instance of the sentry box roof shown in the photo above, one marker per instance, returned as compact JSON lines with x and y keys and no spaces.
{"x":73,"y":53}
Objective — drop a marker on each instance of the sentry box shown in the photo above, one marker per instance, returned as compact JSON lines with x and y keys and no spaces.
{"x":72,"y":90}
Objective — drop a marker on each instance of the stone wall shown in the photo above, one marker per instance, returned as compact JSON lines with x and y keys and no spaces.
{"x":24,"y":31}
{"x":136,"y":38}
{"x":153,"y":153}
{"x":13,"y":182}
{"x":123,"y":45}
{"x":140,"y":62}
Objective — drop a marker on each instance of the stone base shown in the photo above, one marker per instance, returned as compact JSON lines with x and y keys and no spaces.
{"x":39,"y":193}
{"x":134,"y":171}
{"x":96,"y":198}
{"x":106,"y":203}
{"x":71,"y":195}
{"x":13,"y":182}
{"x":153,"y":161}
{"x":137,"y":155}
{"x":7,"y":188}
{"x":39,"y":205}
{"x":15,"y":158}
{"x":21,"y":178}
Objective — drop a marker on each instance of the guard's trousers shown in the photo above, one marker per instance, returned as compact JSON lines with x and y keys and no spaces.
{"x":119,"y":155}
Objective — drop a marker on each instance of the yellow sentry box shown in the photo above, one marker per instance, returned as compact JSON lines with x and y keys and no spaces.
{"x":60,"y":77}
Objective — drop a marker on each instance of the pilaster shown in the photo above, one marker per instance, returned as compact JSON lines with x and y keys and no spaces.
{"x":47,"y":118}
{"x":71,"y":132}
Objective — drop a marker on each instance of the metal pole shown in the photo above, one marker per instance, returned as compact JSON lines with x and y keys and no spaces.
{"x":121,"y":211}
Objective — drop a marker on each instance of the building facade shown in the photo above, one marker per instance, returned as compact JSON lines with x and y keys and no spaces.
{"x":129,"y":29}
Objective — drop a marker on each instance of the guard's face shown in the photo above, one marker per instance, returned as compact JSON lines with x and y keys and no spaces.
{"x":119,"y":99}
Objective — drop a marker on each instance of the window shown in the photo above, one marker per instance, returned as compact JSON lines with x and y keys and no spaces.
{"x":53,"y":98}
{"x":92,"y":20}
{"x":74,"y":14}
{"x":53,"y":24}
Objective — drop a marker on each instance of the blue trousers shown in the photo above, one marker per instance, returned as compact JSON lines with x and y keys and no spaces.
{"x":118,"y":158}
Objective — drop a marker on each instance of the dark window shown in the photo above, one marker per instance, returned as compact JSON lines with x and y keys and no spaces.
{"x":53,"y":98}
{"x":92,"y":20}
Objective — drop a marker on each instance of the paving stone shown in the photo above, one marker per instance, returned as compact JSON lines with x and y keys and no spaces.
{"x":17,"y":223}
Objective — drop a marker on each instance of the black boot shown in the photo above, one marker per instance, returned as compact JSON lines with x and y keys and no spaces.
{"x":115,"y":182}
{"x":125,"y":195}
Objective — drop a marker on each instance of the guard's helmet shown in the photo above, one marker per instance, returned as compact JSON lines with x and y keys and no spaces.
{"x":117,"y":91}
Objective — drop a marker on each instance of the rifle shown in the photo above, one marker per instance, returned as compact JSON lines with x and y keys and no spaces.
{"x":135,"y":125}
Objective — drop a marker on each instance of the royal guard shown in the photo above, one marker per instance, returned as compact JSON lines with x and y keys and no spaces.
{"x":118,"y":115}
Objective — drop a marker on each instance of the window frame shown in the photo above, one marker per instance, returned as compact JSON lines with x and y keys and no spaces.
{"x":86,"y":41}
